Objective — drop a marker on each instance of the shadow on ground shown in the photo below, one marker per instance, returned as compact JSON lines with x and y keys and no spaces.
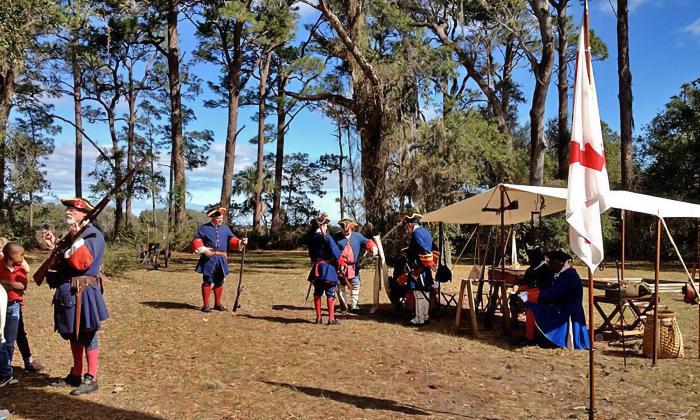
{"x":31,"y":398}
{"x":170,"y":305}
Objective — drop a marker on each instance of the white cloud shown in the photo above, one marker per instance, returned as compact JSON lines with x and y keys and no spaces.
{"x":610,"y":6}
{"x":693,"y":29}
{"x":304,"y":10}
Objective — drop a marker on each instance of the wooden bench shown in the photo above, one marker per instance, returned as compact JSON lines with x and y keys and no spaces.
{"x":466,"y":286}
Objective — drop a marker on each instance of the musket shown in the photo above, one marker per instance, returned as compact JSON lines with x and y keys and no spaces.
{"x":236,"y":305}
{"x":67,"y":241}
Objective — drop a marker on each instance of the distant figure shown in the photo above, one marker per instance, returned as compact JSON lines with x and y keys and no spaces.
{"x":558,"y":310}
{"x":421,"y":261}
{"x":212,"y":242}
{"x":79,"y":307}
{"x":326,"y":261}
{"x":350,"y":244}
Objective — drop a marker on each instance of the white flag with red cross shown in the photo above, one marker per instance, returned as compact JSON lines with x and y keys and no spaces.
{"x":588,"y":174}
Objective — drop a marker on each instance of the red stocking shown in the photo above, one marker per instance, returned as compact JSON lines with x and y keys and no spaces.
{"x":331,"y":308}
{"x":206,"y":293}
{"x":317,"y":306}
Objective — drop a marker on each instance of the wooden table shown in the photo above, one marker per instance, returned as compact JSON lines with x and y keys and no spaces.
{"x":639,"y":306}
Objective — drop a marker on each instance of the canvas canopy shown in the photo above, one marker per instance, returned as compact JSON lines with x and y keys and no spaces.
{"x":481,"y":208}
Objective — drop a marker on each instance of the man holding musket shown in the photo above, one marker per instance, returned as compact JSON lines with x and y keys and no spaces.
{"x":421,"y":260}
{"x":350,"y":244}
{"x":78,"y":305}
{"x":212,"y":242}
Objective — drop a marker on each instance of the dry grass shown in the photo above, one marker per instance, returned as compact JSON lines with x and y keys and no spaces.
{"x":162,"y":358}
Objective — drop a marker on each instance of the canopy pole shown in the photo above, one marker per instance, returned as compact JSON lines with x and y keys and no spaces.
{"x":591,"y":357}
{"x":622,"y":251}
{"x":504,"y":294}
{"x":656,"y":292}
{"x":477,"y":254}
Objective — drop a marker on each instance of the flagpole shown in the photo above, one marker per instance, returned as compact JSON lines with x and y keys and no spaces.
{"x":591,"y":357}
{"x":591,"y":325}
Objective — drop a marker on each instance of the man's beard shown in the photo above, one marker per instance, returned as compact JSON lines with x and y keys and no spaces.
{"x":70,"y":221}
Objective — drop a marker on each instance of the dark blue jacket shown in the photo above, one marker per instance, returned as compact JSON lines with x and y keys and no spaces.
{"x":558,"y":305}
{"x":324,"y":255}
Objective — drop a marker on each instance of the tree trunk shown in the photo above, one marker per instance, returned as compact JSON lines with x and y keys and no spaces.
{"x":625,"y":94}
{"x":7,"y":90}
{"x":543,"y":75}
{"x":260,"y":174}
{"x":177,"y":152}
{"x":563,"y":90}
{"x":276,"y":224}
{"x":234,"y":92}
{"x":78,"y":114}
{"x":131,"y":141}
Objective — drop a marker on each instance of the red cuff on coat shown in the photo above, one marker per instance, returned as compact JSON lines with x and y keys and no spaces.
{"x":533,"y":295}
{"x":196,"y":244}
{"x":81,"y":259}
{"x":369,"y":245}
{"x":234,"y":243}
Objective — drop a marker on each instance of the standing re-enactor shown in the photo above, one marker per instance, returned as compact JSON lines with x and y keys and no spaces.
{"x":350,"y":244}
{"x":326,"y":261}
{"x":212,"y":242}
{"x":78,"y":305}
{"x":558,"y":310}
{"x":421,"y":261}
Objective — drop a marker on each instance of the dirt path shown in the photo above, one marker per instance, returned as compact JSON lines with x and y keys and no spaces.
{"x":162,"y":358}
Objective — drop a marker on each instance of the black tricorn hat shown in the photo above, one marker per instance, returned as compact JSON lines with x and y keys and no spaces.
{"x":216,"y":212}
{"x":77,"y":203}
{"x":411,"y":218}
{"x":346,"y":223}
{"x":558,"y":255}
{"x":322,"y":219}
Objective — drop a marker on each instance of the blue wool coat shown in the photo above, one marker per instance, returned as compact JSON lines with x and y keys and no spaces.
{"x":324,"y":255}
{"x":559,"y":311}
{"x":420,"y":254}
{"x":94,"y":309}
{"x":216,"y":238}
{"x":357,"y":243}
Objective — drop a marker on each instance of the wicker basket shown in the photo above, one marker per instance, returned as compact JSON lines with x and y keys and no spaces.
{"x":670,"y":337}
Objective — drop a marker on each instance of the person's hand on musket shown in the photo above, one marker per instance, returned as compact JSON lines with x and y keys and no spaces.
{"x":243,"y":243}
{"x":375,"y":252}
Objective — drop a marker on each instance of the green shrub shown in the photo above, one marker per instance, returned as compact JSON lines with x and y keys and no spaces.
{"x":118,"y":260}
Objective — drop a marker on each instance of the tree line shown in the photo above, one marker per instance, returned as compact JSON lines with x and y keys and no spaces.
{"x":424,"y":96}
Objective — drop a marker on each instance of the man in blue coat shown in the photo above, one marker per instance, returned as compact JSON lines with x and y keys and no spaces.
{"x":325,"y":264}
{"x":212,"y":242}
{"x":558,"y":310}
{"x":351,"y":244}
{"x":421,"y":261}
{"x":79,"y":308}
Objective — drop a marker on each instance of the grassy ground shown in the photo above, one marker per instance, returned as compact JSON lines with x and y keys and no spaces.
{"x":163,"y":358}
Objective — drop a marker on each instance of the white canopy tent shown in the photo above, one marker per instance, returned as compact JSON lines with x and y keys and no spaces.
{"x":481,"y":209}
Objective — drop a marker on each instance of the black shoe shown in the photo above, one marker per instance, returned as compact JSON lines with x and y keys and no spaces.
{"x":69,"y":380}
{"x":206,"y":309}
{"x":219,"y":308}
{"x":89,"y":385}
{"x":33,"y":367}
{"x":333,"y":322}
{"x":6,"y":380}
{"x":318,"y":321}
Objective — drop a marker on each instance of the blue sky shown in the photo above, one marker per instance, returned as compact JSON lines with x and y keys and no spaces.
{"x":664,"y":53}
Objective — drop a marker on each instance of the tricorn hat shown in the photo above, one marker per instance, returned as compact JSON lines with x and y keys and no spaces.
{"x":558,"y":255}
{"x":322,"y":219}
{"x":216,"y":212}
{"x":347,"y":223}
{"x":411,"y":218}
{"x":77,"y":203}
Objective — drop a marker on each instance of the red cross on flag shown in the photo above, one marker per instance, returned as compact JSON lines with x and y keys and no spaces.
{"x":588,"y":174}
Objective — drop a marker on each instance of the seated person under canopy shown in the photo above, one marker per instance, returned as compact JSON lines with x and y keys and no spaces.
{"x":558,"y":310}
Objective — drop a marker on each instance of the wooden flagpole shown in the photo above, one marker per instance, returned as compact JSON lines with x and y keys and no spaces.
{"x":591,"y":325}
